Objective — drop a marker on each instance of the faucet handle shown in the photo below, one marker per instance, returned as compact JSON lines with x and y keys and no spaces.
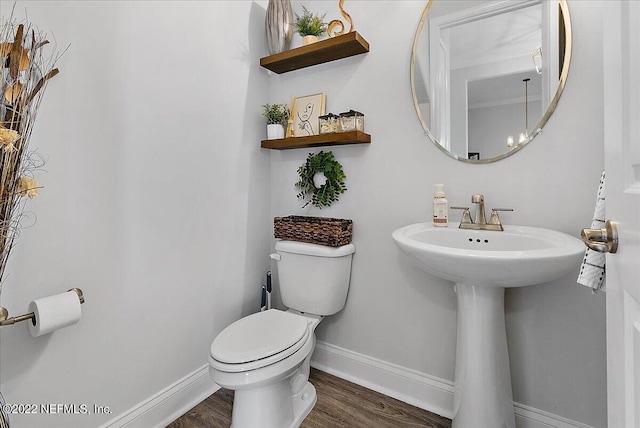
{"x":466,"y":215}
{"x":495,"y":219}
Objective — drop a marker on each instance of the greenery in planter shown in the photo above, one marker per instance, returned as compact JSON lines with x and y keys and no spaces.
{"x":276,"y":114}
{"x":328,"y":192}
{"x":310,"y":24}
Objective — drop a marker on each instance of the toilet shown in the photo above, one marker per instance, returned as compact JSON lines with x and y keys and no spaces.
{"x":264,"y":357}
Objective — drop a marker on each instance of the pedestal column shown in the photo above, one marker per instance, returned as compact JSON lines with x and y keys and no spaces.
{"x":482,"y":397}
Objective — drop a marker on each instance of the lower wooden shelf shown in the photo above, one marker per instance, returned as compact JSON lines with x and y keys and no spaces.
{"x":334,"y":139}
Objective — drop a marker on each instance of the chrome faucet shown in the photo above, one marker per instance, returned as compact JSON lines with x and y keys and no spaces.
{"x":479,"y":221}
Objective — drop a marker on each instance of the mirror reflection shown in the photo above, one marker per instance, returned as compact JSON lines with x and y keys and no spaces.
{"x":487,"y":75}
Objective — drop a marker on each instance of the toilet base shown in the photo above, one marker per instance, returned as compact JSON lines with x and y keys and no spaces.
{"x":272,"y":406}
{"x":303,"y":404}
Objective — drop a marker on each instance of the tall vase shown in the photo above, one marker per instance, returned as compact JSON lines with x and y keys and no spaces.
{"x":278,"y":23}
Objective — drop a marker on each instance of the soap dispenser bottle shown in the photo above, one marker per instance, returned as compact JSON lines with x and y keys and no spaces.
{"x":440,"y":207}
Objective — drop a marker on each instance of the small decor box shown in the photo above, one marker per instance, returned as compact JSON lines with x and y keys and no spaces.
{"x":329,"y":123}
{"x":352,"y":121}
{"x":333,"y":232}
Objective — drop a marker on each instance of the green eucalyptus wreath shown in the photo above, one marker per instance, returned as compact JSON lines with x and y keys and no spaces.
{"x":328,"y":192}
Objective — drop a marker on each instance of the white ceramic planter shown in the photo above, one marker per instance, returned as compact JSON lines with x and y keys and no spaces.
{"x":275,"y":131}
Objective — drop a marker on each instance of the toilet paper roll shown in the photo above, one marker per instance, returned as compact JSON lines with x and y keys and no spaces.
{"x":54,"y":312}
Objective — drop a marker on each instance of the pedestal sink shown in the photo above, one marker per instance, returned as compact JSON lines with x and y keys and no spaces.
{"x":482,"y":264}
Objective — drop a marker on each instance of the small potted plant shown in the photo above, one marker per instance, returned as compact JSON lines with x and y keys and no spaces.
{"x":310,"y":26}
{"x":277,"y":118}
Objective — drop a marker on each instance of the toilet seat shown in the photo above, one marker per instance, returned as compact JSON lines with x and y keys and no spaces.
{"x":258,"y":340}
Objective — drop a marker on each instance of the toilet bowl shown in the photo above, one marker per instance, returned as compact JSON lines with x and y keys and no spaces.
{"x":265,"y":357}
{"x":270,"y":380}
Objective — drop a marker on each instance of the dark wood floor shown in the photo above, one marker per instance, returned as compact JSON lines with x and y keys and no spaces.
{"x":341,"y":404}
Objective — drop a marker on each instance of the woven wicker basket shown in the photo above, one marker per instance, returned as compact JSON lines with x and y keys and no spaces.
{"x":332,"y":232}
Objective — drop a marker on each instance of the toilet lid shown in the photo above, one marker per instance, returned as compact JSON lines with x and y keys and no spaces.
{"x":258,"y":336}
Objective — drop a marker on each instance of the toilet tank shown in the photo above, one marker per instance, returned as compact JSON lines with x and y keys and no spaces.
{"x":313,"y":278}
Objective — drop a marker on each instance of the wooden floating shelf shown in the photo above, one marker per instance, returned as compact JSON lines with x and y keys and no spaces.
{"x":336,"y":139}
{"x":327,"y":50}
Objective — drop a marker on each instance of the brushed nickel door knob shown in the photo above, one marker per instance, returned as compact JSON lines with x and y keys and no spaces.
{"x":601,"y":240}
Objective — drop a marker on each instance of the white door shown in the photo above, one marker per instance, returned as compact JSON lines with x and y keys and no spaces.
{"x":622,"y":165}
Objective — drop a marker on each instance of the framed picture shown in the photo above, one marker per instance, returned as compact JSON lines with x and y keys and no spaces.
{"x":305,"y":112}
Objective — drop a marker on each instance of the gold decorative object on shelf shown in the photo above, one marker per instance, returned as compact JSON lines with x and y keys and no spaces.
{"x":289,"y":132}
{"x":332,"y":30}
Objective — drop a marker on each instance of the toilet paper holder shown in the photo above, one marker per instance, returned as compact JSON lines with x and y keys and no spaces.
{"x":4,"y":313}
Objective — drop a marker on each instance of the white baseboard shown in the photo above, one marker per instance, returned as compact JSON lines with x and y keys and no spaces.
{"x":530,"y":417}
{"x":169,"y":404}
{"x":418,"y":389}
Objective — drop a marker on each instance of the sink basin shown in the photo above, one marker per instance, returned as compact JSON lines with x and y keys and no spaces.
{"x":516,"y":257}
{"x":483,"y":264}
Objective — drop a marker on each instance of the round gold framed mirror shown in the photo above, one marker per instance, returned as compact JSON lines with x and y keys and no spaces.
{"x":487,"y":75}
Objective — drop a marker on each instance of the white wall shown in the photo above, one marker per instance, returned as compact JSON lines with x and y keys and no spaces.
{"x":395,"y":312}
{"x":156,"y":200}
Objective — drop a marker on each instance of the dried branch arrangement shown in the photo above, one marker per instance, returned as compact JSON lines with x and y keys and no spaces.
{"x":26,"y":70}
